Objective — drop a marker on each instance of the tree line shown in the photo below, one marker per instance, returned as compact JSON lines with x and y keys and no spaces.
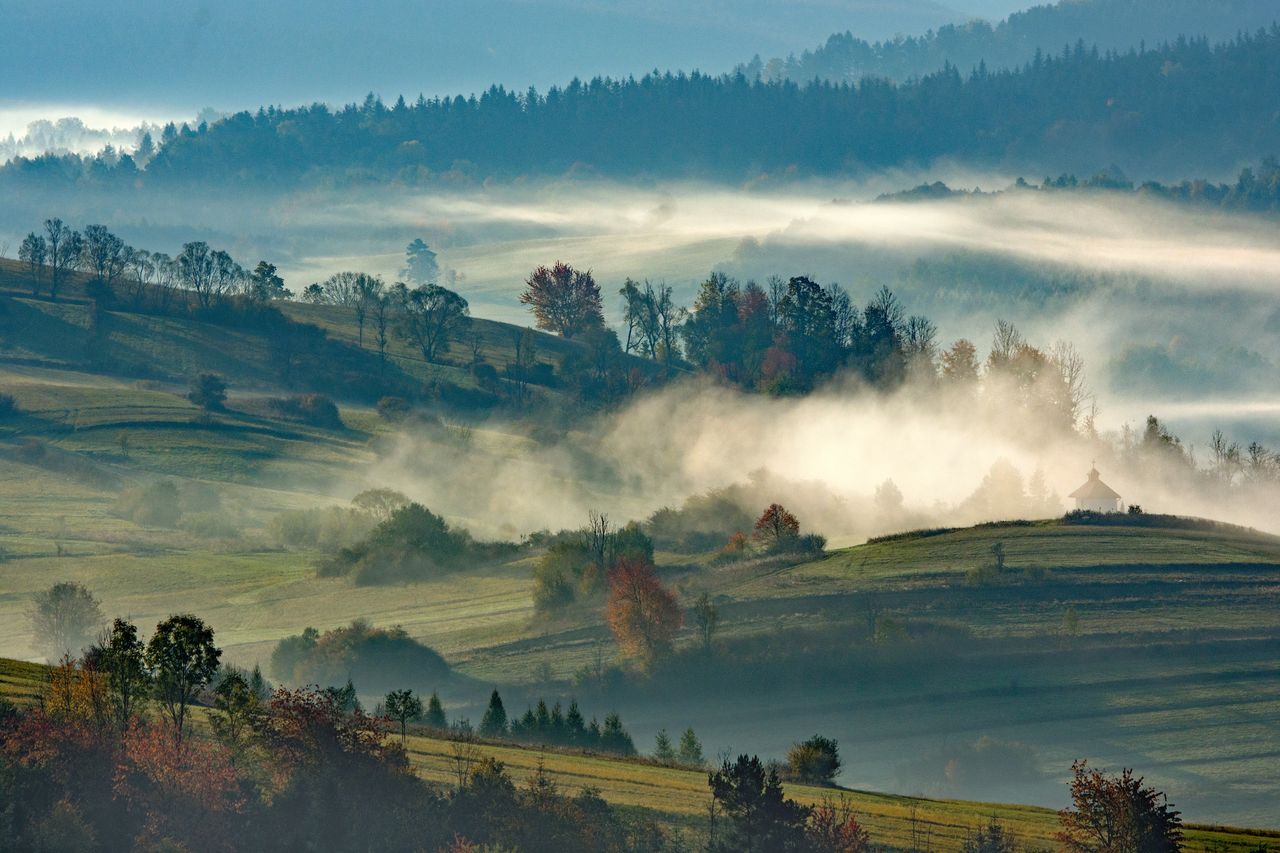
{"x":1080,"y":105}
{"x":1010,"y":43}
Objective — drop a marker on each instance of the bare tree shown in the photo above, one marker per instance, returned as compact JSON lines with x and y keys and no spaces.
{"x":600,"y":539}
{"x":463,"y":756}
{"x":63,"y":246}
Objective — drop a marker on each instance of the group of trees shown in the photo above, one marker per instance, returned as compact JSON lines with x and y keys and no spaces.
{"x":554,"y":726}
{"x":383,"y":658}
{"x":142,"y":278}
{"x":426,"y":316}
{"x":1108,"y":814}
{"x":88,"y":767}
{"x":1080,"y":105}
{"x":411,"y":544}
{"x":1013,"y":42}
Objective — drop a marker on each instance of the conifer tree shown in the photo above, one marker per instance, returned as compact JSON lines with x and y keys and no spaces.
{"x":662,"y":749}
{"x":435,"y":717}
{"x":494,"y":723}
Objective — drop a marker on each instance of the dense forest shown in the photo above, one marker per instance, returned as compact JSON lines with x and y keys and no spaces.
{"x":1109,"y":24}
{"x":1174,"y":108}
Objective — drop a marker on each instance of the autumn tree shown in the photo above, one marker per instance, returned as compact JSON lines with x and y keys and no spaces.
{"x":237,"y":710}
{"x":960,"y":362}
{"x":403,"y":707}
{"x":65,"y":618}
{"x":776,"y":528}
{"x":183,"y":660}
{"x":833,"y":828}
{"x":563,"y":299}
{"x":643,"y":615}
{"x":1117,"y":814}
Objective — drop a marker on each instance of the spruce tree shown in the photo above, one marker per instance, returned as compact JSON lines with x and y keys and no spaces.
{"x":691,"y":749}
{"x":662,"y":749}
{"x":575,"y":725}
{"x":435,"y":713}
{"x":494,"y":723}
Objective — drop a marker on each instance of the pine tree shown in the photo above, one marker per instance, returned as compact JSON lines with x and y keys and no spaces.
{"x":575,"y":725}
{"x":494,"y":723}
{"x":435,"y":713}
{"x":614,"y":738}
{"x":662,"y":749}
{"x":691,"y":749}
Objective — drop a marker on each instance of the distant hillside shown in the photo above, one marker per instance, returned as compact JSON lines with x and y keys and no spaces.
{"x":1118,"y":25}
{"x":303,"y":348}
{"x":1180,"y":109}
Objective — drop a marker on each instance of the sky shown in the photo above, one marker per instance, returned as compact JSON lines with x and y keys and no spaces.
{"x":149,"y":60}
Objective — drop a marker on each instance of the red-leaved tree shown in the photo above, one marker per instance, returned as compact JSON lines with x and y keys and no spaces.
{"x":1116,"y":814}
{"x":563,"y":299}
{"x":775,"y":527}
{"x":643,"y":615}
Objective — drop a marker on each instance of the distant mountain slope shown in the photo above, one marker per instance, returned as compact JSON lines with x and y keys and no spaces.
{"x":1107,"y":24}
{"x":1178,"y":110}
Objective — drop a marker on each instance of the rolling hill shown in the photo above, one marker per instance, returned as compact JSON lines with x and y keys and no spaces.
{"x":1152,"y":642}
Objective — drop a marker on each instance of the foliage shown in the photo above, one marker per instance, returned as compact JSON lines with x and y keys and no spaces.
{"x":1111,"y":814}
{"x":379,"y":658}
{"x":776,"y":529}
{"x":643,"y":615}
{"x":815,"y":761}
{"x":314,"y":409}
{"x":757,"y":815}
{"x":403,"y":707}
{"x":413,"y":543}
{"x":690,"y":753}
{"x":209,"y":392}
{"x":183,"y":660}
{"x":494,"y":723}
{"x":563,"y":299}
{"x":430,"y":317}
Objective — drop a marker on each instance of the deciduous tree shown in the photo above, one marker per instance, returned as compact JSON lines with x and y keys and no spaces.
{"x":1117,"y":814}
{"x":563,"y":299}
{"x":183,"y":660}
{"x":65,"y":618}
{"x":643,"y":615}
{"x":403,"y":707}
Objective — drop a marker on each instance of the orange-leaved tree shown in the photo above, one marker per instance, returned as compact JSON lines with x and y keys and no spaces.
{"x":643,"y":615}
{"x":1116,"y":814}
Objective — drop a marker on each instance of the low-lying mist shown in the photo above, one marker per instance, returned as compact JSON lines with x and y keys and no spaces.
{"x":849,"y":461}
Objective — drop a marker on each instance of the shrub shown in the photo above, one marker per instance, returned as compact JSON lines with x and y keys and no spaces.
{"x":314,"y":409}
{"x":816,"y":761}
{"x":379,"y":659}
{"x":209,"y":392}
{"x":154,"y":505}
{"x":393,"y":408}
{"x":8,"y":406}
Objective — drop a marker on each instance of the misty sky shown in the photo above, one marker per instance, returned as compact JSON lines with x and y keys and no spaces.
{"x":153,"y":59}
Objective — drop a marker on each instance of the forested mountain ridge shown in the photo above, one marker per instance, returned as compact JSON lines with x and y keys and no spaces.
{"x":1108,"y":24}
{"x":1177,"y":109}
